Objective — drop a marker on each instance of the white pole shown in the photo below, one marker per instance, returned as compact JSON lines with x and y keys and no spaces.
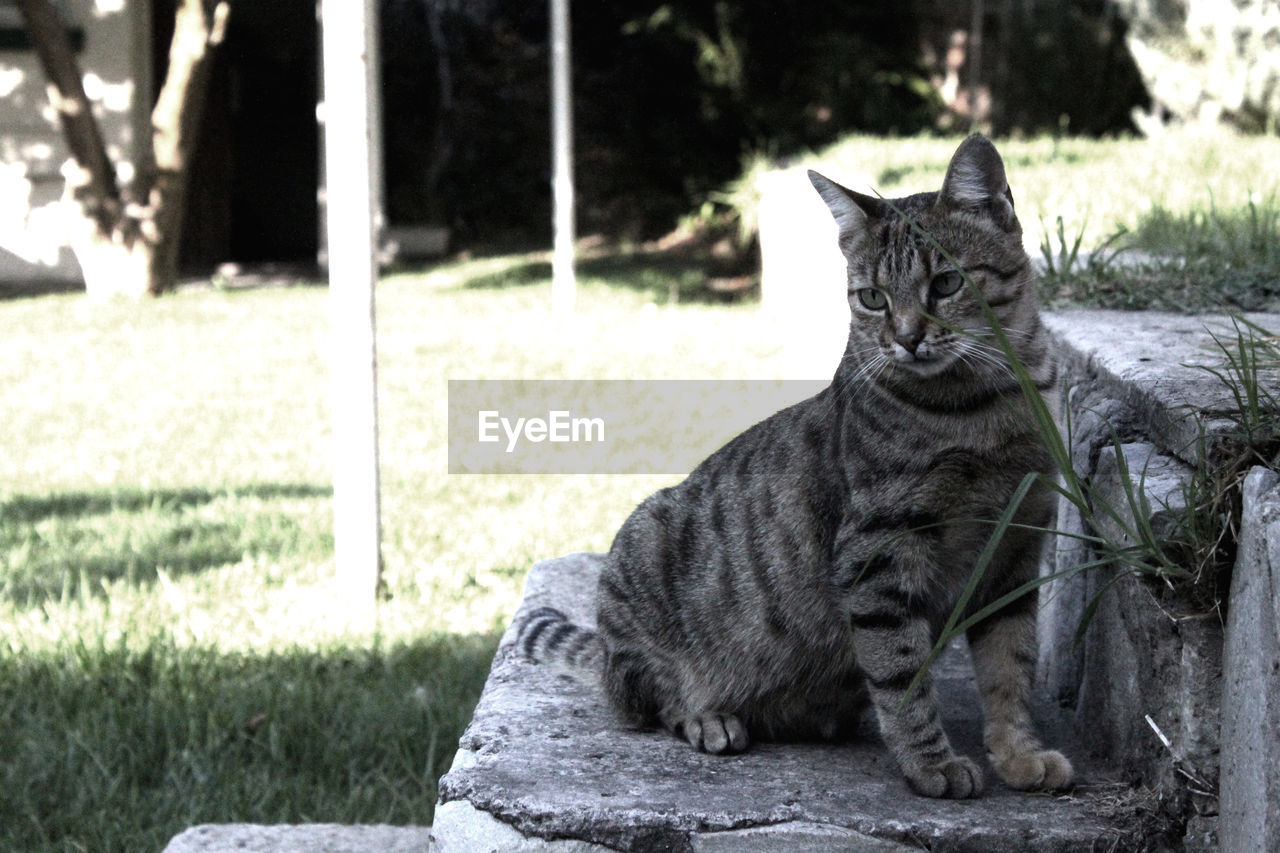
{"x":350,"y":80}
{"x":975,"y":61}
{"x":563,"y":283}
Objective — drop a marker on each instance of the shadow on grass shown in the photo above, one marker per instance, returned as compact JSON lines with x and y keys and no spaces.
{"x":664,"y":276}
{"x":115,"y":749}
{"x":30,"y":509}
{"x":76,"y":543}
{"x":30,"y":289}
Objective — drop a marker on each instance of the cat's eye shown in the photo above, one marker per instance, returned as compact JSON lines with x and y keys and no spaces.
{"x":872,"y":299}
{"x":947,"y":283}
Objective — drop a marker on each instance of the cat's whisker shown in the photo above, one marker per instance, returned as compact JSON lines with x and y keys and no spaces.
{"x":861,"y":354}
{"x":976,"y":352}
{"x":988,"y":354}
{"x":867,"y":372}
{"x":986,"y":346}
{"x":996,"y":366}
{"x":985,"y":351}
{"x":999,"y":359}
{"x":879,"y":364}
{"x":984,"y":331}
{"x":984,"y":335}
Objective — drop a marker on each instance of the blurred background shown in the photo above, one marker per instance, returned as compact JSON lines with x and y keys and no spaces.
{"x":674,"y":102}
{"x":173,"y":646}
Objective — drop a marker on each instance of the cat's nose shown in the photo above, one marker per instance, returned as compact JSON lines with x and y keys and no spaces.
{"x":909,"y":337}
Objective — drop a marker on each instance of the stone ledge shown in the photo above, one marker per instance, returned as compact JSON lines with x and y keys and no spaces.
{"x":1250,"y":780}
{"x":1144,"y":683}
{"x":303,"y":838}
{"x":544,"y":764}
{"x":470,"y":829}
{"x":1146,"y":361}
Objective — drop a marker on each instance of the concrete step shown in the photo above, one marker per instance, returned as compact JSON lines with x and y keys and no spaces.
{"x":301,"y":838}
{"x":1151,"y":365}
{"x":544,"y":765}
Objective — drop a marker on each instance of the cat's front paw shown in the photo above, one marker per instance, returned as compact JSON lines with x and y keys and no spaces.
{"x":954,"y":778}
{"x":714,"y":733}
{"x":1043,"y":770}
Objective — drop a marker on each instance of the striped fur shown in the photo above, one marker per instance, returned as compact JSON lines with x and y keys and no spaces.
{"x":805,"y":568}
{"x":546,"y":634}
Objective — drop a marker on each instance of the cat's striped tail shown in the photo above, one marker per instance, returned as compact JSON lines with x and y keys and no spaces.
{"x":547,"y":636}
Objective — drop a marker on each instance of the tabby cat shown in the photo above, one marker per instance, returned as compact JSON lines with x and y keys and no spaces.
{"x":808,"y":565}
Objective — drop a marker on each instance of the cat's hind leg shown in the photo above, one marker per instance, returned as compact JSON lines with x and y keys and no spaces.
{"x":1003,"y":650}
{"x":639,"y":692}
{"x":710,"y":731}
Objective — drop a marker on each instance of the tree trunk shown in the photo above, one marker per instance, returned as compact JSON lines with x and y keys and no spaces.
{"x":95,"y":188}
{"x":127,"y":243}
{"x":175,"y":123}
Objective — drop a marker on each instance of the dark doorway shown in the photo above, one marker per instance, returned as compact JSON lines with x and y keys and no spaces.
{"x":252,"y":196}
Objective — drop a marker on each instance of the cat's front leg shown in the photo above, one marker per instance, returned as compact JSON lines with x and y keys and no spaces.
{"x":892,"y":645}
{"x":1003,"y":649}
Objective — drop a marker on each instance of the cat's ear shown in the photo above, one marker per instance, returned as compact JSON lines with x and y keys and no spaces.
{"x":850,"y":209}
{"x":976,"y":181}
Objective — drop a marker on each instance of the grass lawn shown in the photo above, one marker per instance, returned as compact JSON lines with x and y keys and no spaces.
{"x":173,"y":650}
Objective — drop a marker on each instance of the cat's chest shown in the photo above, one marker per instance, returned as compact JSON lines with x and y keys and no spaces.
{"x":940,"y":475}
{"x":954,"y":450}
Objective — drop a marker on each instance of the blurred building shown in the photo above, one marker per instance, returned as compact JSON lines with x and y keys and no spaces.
{"x":114,"y":49}
{"x":253,"y":191}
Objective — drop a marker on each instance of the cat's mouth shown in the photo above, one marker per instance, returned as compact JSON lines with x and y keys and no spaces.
{"x":926,"y":361}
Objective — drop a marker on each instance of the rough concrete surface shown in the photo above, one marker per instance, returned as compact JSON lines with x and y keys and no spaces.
{"x":1152,"y":363}
{"x":544,"y":757}
{"x":1147,"y":658}
{"x":1138,"y":658}
{"x":305,"y":838}
{"x":1141,"y":486}
{"x":1250,"y":783}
